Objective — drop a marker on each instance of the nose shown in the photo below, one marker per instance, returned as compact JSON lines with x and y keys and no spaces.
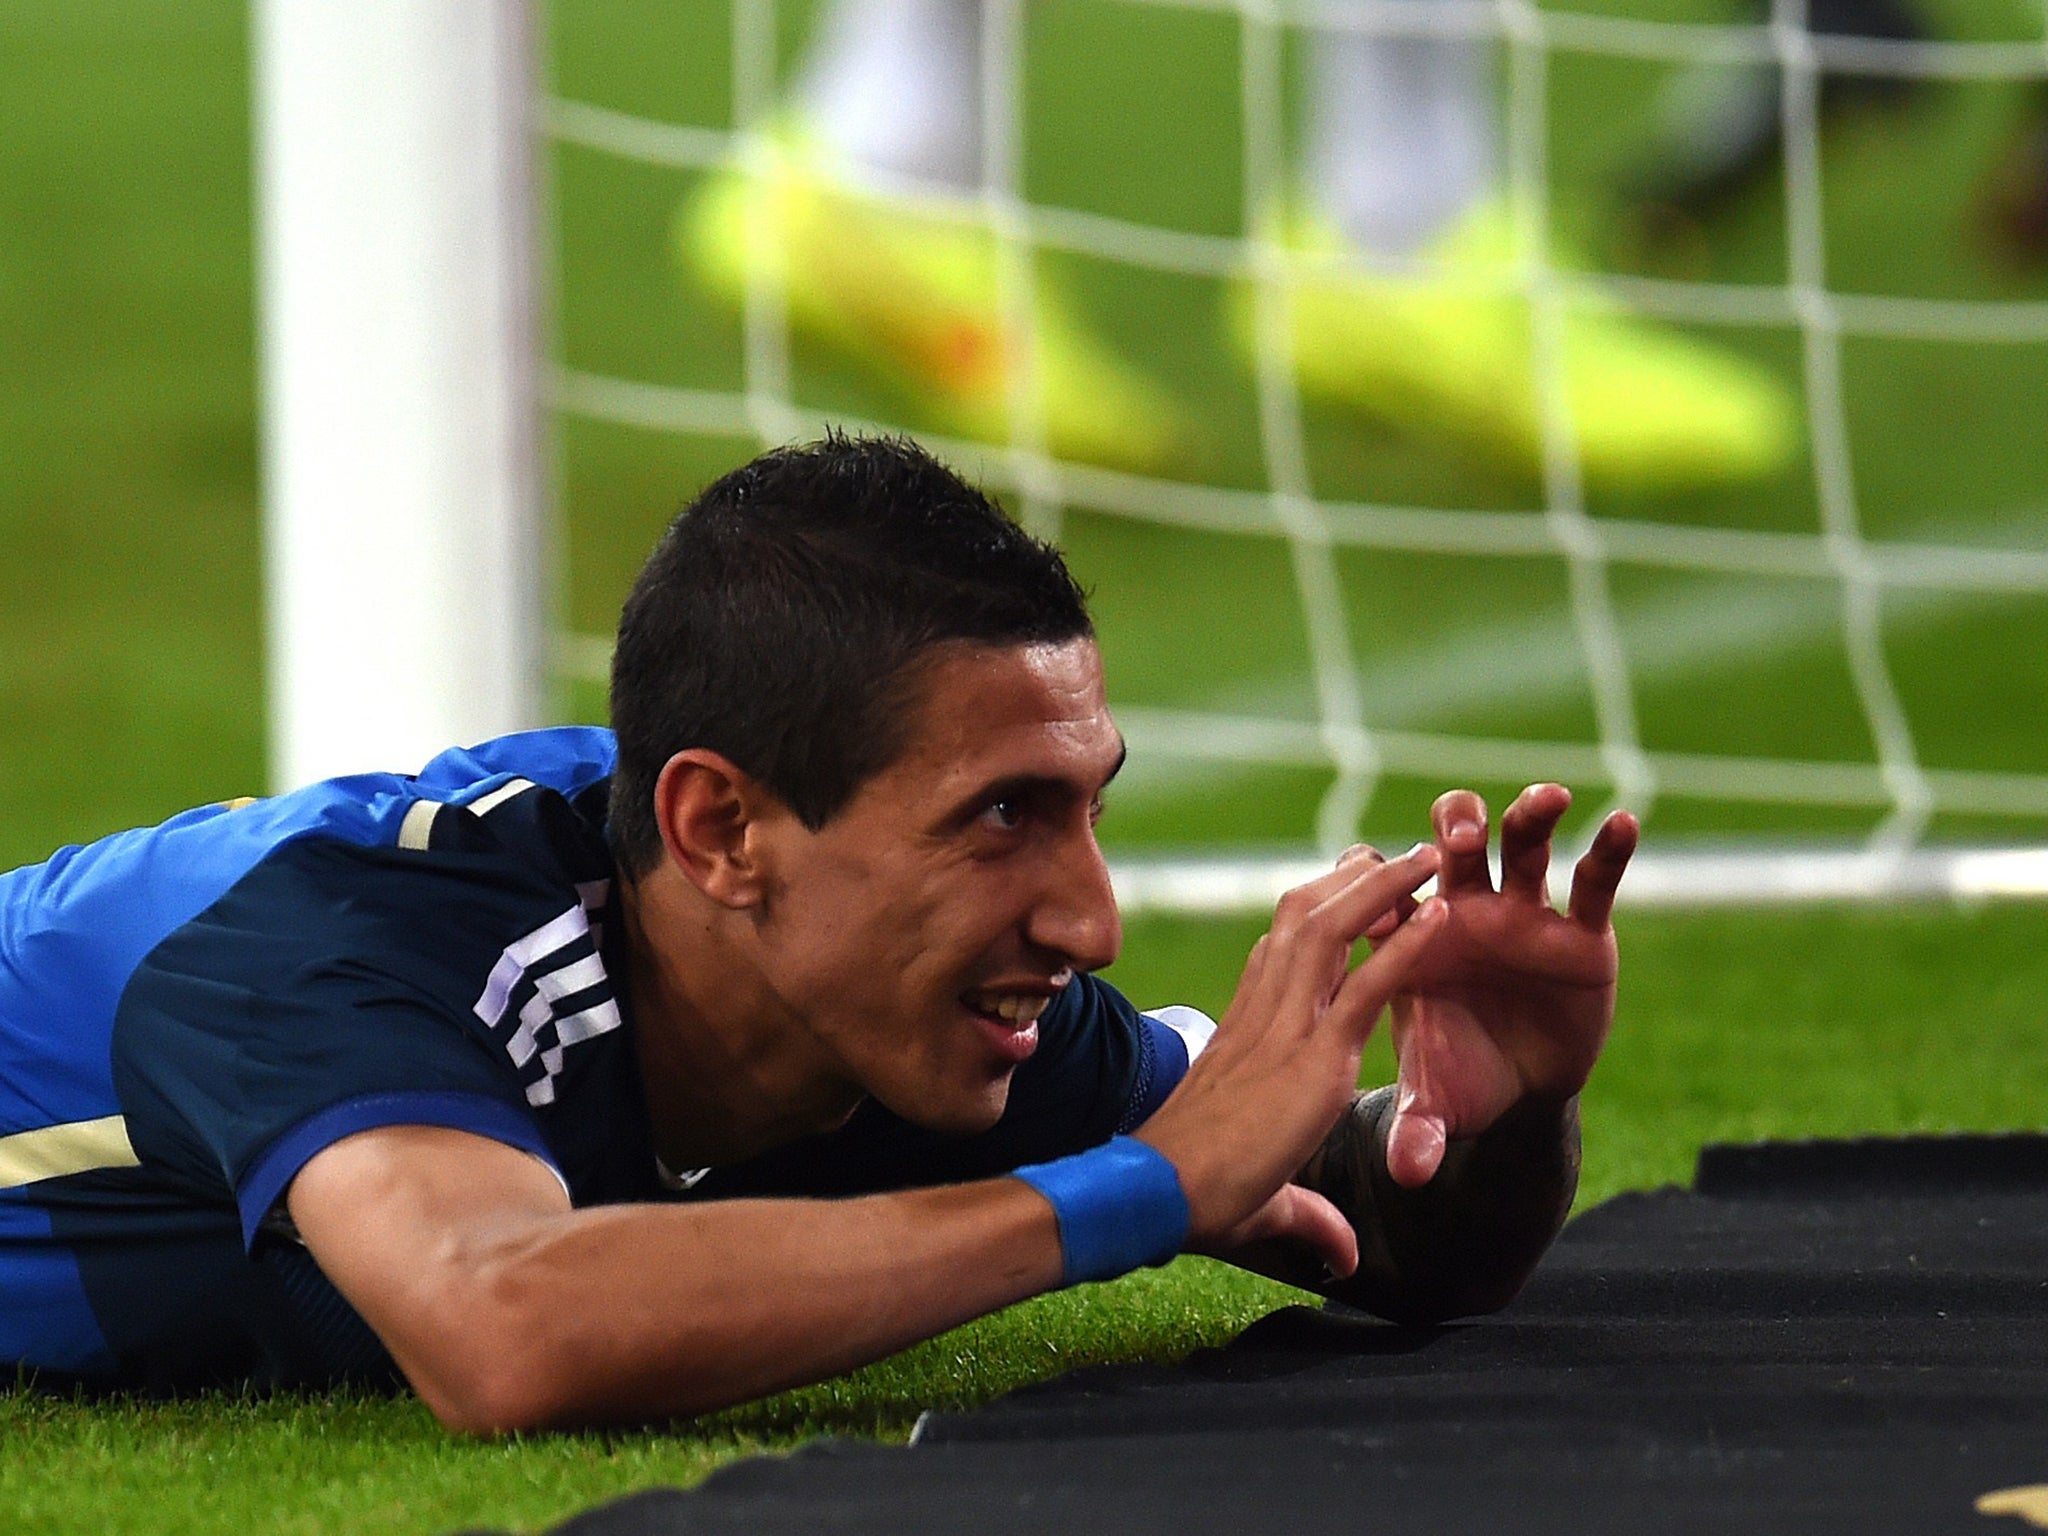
{"x":1076,"y":916}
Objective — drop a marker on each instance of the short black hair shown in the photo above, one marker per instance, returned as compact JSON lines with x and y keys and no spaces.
{"x":781,"y":619}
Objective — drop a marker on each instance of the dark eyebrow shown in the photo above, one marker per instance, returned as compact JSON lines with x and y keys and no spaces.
{"x":1024,"y":786}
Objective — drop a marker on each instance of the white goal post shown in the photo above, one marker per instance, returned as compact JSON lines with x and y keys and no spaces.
{"x":407,"y":607}
{"x":404,"y":388}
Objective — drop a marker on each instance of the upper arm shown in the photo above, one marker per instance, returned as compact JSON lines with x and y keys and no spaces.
{"x":334,"y":991}
{"x":414,"y":1224}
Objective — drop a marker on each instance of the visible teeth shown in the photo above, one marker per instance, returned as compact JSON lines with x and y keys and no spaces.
{"x":1012,"y":1007}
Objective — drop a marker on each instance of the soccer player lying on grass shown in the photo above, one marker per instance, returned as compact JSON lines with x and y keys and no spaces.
{"x":522,"y":1076}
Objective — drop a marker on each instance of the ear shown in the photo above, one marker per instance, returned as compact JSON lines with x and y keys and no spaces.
{"x":712,"y":815}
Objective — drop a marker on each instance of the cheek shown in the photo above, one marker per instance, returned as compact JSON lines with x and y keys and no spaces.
{"x":862,"y":945}
{"x":892,"y":945}
{"x":911,"y":1002}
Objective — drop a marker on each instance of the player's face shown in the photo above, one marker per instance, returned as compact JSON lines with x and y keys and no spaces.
{"x":920,"y":933}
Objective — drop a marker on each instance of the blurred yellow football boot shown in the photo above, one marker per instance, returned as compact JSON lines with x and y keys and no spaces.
{"x":909,"y":289}
{"x":1448,"y":350}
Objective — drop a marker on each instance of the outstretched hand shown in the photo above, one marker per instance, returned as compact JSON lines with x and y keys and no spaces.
{"x":1285,"y":1057}
{"x":1496,"y":998}
{"x":1512,"y":999}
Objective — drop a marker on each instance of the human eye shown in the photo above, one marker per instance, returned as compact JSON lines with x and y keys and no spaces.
{"x":1005,"y":813}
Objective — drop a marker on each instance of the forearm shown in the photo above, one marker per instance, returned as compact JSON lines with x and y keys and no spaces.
{"x":1466,"y":1242}
{"x":632,"y":1313}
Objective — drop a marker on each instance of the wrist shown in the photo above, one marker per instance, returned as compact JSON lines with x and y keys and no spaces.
{"x":1465,"y":1242}
{"x":1119,"y":1206}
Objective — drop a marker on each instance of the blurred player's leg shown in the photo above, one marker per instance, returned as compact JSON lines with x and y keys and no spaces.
{"x":895,"y":86}
{"x":1720,"y":127}
{"x":869,"y":213}
{"x":1402,"y":170}
{"x":1401,"y":136}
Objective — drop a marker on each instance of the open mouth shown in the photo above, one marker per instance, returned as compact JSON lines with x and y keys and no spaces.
{"x":1009,"y":1015}
{"x":1016,"y":1009}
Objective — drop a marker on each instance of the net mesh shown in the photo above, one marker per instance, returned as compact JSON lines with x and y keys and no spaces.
{"x":1848,"y":592}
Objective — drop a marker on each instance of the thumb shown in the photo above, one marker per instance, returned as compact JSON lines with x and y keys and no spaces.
{"x":1415,"y":1139}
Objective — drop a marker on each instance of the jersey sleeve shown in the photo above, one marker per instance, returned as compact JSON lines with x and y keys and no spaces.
{"x":1101,"y":1069}
{"x":312,"y":1002}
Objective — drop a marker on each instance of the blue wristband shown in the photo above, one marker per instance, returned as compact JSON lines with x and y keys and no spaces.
{"x":1119,"y":1206}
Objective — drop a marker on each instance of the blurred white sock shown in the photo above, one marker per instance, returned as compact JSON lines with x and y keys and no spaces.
{"x":1401,"y":134}
{"x":895,"y":86}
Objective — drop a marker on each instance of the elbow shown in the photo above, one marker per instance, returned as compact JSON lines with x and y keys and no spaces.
{"x":492,"y":1363}
{"x":492,"y":1387}
{"x":552,"y":1383}
{"x":489,"y":1403}
{"x":510,"y":1359}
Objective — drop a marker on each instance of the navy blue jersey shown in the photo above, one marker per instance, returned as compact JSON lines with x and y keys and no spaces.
{"x":189,"y":1012}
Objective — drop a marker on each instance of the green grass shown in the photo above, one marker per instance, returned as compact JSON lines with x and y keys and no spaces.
{"x":1730,"y":1027}
{"x":131,"y":665}
{"x":130,"y":657}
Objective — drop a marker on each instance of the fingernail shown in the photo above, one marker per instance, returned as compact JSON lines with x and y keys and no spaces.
{"x":1416,"y":851}
{"x":1464,"y":827}
{"x":1430,"y":911}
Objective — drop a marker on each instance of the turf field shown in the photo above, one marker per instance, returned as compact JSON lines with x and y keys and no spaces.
{"x":1730,"y":1027}
{"x":130,"y":657}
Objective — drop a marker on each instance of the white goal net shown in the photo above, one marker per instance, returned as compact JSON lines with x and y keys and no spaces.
{"x":1832,"y":686}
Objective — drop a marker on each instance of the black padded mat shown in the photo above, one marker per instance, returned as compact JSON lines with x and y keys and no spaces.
{"x":1830,"y":1337}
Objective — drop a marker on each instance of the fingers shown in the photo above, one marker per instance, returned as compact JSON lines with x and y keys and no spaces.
{"x":1301,"y":962}
{"x":1351,"y":863}
{"x":1459,"y":817}
{"x":1254,"y":965}
{"x":1599,"y":872}
{"x":1328,"y":930}
{"x":1385,"y":924}
{"x":1459,"y":820}
{"x":1293,"y":1219}
{"x":1353,"y":896}
{"x":1369,"y":988}
{"x":1525,"y":832}
{"x":1309,"y":1218}
{"x":1402,"y":909}
{"x":1379,"y":898}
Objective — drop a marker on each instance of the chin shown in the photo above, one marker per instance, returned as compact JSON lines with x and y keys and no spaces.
{"x":967,"y":1114}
